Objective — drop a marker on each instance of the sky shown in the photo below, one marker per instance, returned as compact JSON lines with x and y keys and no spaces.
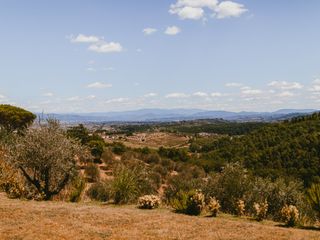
{"x":115,"y":55}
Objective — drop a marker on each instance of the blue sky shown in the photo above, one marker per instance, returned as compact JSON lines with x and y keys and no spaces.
{"x":106,"y":55}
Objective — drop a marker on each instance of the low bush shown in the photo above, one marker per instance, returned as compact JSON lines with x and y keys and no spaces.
{"x":261,"y":210}
{"x":130,"y":183}
{"x":214,"y":206}
{"x":313,"y":197}
{"x":290,"y":215}
{"x":148,"y":202}
{"x":191,"y":203}
{"x":92,"y":172}
{"x":241,"y":207}
{"x":77,"y":188}
{"x":107,"y":156}
{"x":99,"y":191}
{"x":178,"y":183}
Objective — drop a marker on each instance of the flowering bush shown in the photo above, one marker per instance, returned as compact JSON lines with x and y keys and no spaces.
{"x":195,"y":203}
{"x":290,"y":215}
{"x":240,"y":207}
{"x":214,"y":206}
{"x":261,"y":210}
{"x":148,"y":202}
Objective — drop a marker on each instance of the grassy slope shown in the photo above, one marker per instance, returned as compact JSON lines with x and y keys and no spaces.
{"x":58,"y":220}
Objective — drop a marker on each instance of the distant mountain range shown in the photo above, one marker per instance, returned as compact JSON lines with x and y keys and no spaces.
{"x":168,"y":115}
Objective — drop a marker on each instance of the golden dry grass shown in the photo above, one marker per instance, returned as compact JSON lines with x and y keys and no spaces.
{"x":59,"y":220}
{"x":154,"y":140}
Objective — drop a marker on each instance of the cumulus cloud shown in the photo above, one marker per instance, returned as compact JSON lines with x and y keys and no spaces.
{"x":117,"y":100}
{"x":227,"y":9}
{"x":196,"y":9}
{"x":150,"y":95}
{"x":250,"y":91}
{"x":200,"y":94}
{"x":106,"y":47}
{"x":149,"y":31}
{"x":81,"y":38}
{"x":99,"y":85}
{"x":187,"y":12}
{"x":173,"y":30}
{"x":176,"y":95}
{"x":286,"y":94}
{"x":216,"y":94}
{"x":285,"y":85}
{"x":97,"y":44}
{"x":90,"y":97}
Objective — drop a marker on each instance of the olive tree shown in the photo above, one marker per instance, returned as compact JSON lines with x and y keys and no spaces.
{"x":46,"y":157}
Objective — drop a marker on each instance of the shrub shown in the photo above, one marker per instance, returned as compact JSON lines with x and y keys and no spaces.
{"x":261,"y":210}
{"x":190,"y":203}
{"x":99,"y":191}
{"x":11,"y":181}
{"x":180,"y":183}
{"x":148,"y":202}
{"x":290,"y":215}
{"x":130,"y":183}
{"x":97,"y":148}
{"x":228,"y":186}
{"x":92,"y":172}
{"x":78,"y":186}
{"x":214,"y":206}
{"x":107,"y":156}
{"x":118,"y":148}
{"x":313,"y":197}
{"x":240,"y":208}
{"x":152,"y":158}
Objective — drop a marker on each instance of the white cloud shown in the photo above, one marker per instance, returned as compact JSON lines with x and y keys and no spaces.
{"x":286,"y":94}
{"x":150,"y":95}
{"x":196,"y":9}
{"x":99,"y":85}
{"x":173,"y":30}
{"x":250,"y":91}
{"x":149,"y":31}
{"x":48,"y":94}
{"x":200,"y":94}
{"x":285,"y":85}
{"x":216,"y":94}
{"x":97,"y":44}
{"x":105,"y":47}
{"x":233,"y":84}
{"x":81,"y":38}
{"x":227,"y":9}
{"x":91,"y":97}
{"x":188,"y":12}
{"x":176,"y":95}
{"x":117,"y":100}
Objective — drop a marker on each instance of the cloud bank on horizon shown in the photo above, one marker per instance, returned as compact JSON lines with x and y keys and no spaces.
{"x":210,"y":54}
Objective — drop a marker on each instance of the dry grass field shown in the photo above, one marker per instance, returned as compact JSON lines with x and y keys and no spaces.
{"x":154,"y":140}
{"x":58,"y":220}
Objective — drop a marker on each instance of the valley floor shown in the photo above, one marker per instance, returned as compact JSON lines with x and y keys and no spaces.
{"x":59,"y":220}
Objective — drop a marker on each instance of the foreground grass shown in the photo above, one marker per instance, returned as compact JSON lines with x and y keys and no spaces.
{"x":58,"y":220}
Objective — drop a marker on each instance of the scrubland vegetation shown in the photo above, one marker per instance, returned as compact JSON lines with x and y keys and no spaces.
{"x":254,"y":171}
